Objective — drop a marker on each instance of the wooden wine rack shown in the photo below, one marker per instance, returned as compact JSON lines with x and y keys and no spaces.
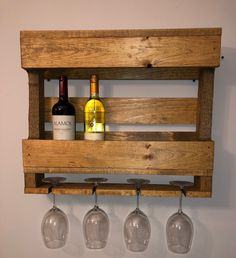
{"x":173,"y":54}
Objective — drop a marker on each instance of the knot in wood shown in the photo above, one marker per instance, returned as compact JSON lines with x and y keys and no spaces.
{"x":148,"y":156}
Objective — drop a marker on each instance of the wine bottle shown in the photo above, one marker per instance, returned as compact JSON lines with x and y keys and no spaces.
{"x":63,"y":114}
{"x":94,"y":113}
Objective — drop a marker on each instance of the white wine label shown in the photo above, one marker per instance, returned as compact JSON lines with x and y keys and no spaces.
{"x":94,"y":136}
{"x":63,"y":127}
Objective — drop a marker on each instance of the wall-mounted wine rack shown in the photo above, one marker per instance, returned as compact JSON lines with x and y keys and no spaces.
{"x":172,"y":54}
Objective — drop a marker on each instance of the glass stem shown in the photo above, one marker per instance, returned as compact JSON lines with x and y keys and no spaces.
{"x":95,"y":195}
{"x":54,"y":200}
{"x":137,"y":195}
{"x":96,"y":198}
{"x":180,"y":201}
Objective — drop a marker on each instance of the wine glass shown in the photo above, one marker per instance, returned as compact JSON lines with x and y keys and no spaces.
{"x":179,"y":227}
{"x":55,"y":225}
{"x":137,"y":229}
{"x":96,"y":221}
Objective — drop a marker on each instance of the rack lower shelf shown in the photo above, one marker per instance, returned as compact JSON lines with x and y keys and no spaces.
{"x":150,"y":190}
{"x":193,"y":158}
{"x":178,"y":158}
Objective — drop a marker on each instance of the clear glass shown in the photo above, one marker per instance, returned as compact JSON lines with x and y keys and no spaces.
{"x":179,"y":227}
{"x":137,"y":229}
{"x":96,"y":222}
{"x":55,"y":228}
{"x":96,"y":228}
{"x":55,"y":224}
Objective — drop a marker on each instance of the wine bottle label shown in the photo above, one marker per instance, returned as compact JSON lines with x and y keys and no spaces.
{"x":94,"y":136}
{"x":63,"y":127}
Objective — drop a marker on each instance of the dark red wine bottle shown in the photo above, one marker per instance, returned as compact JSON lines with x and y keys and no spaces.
{"x":63,"y":114}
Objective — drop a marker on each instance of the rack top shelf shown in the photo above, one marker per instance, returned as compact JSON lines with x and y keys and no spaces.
{"x":155,"y":48}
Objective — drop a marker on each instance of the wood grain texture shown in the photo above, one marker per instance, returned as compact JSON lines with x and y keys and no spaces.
{"x":59,"y":49}
{"x":176,"y":54}
{"x":148,"y":73}
{"x":37,"y":190}
{"x":137,"y":110}
{"x":36,"y":105}
{"x":114,"y":156}
{"x":123,"y":33}
{"x":203,"y":183}
{"x":119,"y":189}
{"x":205,"y":104}
{"x":139,"y":136}
{"x":33,"y":180}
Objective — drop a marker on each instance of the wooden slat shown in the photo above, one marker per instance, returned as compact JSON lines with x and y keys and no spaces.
{"x":114,"y":156}
{"x":58,"y":49}
{"x":204,"y":118}
{"x":36,"y":122}
{"x":123,"y":33}
{"x":37,"y":190}
{"x":33,"y":180}
{"x":73,"y":188}
{"x":137,"y":110}
{"x":130,"y":171}
{"x":205,"y":103}
{"x":118,"y":189}
{"x":36,"y":105}
{"x":124,"y":73}
{"x":203,"y":183}
{"x":139,"y":136}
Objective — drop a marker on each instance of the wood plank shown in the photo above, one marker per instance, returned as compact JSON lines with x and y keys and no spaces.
{"x":124,"y":73}
{"x":137,"y":110}
{"x":204,"y":118}
{"x":114,"y":156}
{"x":205,"y":104}
{"x":139,"y":136}
{"x":130,"y":171}
{"x":33,"y":180}
{"x":123,"y":33}
{"x":61,"y":49}
{"x":119,"y":189}
{"x":36,"y":105}
{"x":74,"y":188}
{"x":37,"y":190}
{"x":203,"y":183}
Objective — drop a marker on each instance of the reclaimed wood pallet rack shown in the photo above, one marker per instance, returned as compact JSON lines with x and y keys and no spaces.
{"x":169,"y":54}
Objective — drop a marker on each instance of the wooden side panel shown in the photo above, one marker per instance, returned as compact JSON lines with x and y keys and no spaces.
{"x":118,"y":156}
{"x":205,"y":103}
{"x":203,"y":183}
{"x":204,"y":118}
{"x":137,"y":110}
{"x":36,"y":119}
{"x":60,"y":49}
{"x":33,"y":180}
{"x":36,"y":105}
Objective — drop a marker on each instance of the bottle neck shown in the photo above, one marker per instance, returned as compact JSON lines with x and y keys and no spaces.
{"x":63,"y":88}
{"x":94,"y":88}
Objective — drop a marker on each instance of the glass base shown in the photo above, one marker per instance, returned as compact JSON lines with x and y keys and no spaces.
{"x":178,"y":249}
{"x":136,"y":247}
{"x":55,"y":244}
{"x":96,"y":244}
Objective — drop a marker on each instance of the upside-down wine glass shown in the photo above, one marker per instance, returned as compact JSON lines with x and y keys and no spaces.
{"x":55,"y":225}
{"x":137,"y":229}
{"x":179,"y":227}
{"x":96,"y":221}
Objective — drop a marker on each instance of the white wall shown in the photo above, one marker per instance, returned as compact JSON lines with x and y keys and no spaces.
{"x":20,"y":214}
